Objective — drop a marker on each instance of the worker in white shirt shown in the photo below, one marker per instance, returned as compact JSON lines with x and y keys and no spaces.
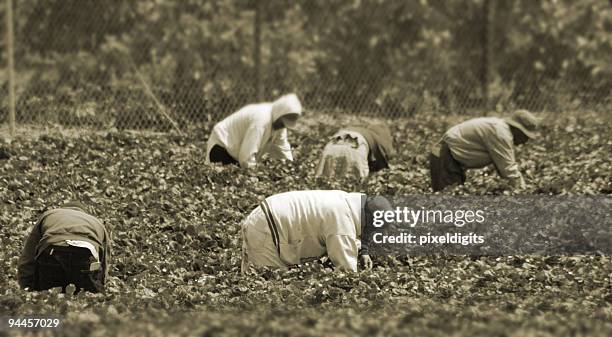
{"x":244,"y":136}
{"x":479,"y":142}
{"x":289,"y":228}
{"x":357,"y":150}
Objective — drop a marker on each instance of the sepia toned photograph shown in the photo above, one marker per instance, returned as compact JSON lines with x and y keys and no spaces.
{"x":306,"y":168}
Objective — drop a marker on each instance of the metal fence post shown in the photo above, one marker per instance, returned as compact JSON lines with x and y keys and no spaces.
{"x":11,"y":65}
{"x":257,"y":51}
{"x":487,"y":51}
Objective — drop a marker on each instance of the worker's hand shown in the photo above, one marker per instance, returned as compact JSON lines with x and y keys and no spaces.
{"x":367,"y":262}
{"x":518,"y":185}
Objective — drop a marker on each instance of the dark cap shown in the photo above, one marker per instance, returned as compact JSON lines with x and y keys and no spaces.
{"x":377,"y":203}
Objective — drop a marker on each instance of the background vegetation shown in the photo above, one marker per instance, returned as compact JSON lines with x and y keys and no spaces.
{"x":81,"y":62}
{"x":412,"y":64}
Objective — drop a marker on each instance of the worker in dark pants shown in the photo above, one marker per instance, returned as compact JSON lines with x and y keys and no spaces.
{"x":66,"y":246}
{"x":479,"y":142}
{"x":253,"y":131}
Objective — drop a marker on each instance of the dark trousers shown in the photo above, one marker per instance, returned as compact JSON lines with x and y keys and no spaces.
{"x":444,"y":169}
{"x":59,"y":266}
{"x":218,"y":154}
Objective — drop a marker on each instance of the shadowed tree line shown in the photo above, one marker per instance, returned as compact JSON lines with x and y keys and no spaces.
{"x":80,"y":61}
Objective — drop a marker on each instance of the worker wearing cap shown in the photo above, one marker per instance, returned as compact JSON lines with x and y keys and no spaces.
{"x":479,"y":142}
{"x":66,"y":246}
{"x":246,"y":135}
{"x":357,"y":150}
{"x":289,"y":228}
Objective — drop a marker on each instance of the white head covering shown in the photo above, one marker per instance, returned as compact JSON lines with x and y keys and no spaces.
{"x":285,"y":105}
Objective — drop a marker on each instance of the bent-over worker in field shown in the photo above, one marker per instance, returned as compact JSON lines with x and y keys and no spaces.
{"x":479,"y":142}
{"x":66,"y":246}
{"x":357,"y":150}
{"x":293,"y":227}
{"x":246,"y":135}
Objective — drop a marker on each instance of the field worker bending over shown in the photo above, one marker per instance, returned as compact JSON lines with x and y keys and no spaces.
{"x":66,"y":246}
{"x":479,"y":142}
{"x":357,"y":150}
{"x":293,"y":227}
{"x":256,"y":129}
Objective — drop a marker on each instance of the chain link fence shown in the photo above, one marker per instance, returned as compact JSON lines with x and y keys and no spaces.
{"x":140,"y":64}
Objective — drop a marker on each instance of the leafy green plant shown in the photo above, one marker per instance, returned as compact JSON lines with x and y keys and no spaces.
{"x":175,"y":222}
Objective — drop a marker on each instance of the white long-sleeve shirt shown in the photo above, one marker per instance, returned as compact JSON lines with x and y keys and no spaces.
{"x":345,"y":154}
{"x":312,"y":223}
{"x":247,"y":134}
{"x":481,"y":141}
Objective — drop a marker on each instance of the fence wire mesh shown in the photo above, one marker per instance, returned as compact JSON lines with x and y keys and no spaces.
{"x":124,"y":64}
